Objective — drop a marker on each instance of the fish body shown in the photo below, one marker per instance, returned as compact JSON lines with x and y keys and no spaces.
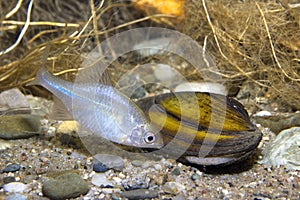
{"x":199,"y":121}
{"x":103,"y":110}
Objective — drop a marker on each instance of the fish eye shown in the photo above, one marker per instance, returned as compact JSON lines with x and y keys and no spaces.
{"x":149,"y":138}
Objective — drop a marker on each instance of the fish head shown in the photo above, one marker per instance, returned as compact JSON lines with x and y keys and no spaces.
{"x":144,"y":137}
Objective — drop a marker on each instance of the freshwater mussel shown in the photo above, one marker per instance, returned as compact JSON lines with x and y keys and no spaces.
{"x":202,"y":128}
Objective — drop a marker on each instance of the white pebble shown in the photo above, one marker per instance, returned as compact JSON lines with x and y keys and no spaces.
{"x":4,"y":145}
{"x":101,"y":180}
{"x":153,"y":46}
{"x":14,"y":187}
{"x":284,"y":150}
{"x":263,"y":113}
{"x":13,"y":98}
{"x":164,"y":73}
{"x":117,"y":180}
{"x":201,"y":87}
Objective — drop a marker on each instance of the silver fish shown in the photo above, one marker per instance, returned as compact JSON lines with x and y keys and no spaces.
{"x":103,"y":110}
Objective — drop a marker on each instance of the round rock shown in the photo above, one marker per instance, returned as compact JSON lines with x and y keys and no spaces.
{"x":65,"y":186}
{"x":140,"y":194}
{"x":15,"y":187}
{"x":110,"y":161}
{"x":12,"y":168}
{"x":16,"y":196}
{"x":285,"y":150}
{"x":99,"y":167}
{"x":100,"y":180}
{"x":173,"y":188}
{"x":164,"y":72}
{"x":21,"y":126}
{"x":8,"y":179}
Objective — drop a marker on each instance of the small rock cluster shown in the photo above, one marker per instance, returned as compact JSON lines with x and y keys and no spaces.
{"x":36,"y":163}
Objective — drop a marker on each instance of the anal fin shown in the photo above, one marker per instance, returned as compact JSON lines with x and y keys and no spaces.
{"x":59,"y":111}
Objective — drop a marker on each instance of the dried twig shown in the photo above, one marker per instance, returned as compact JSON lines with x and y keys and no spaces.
{"x":272,"y":46}
{"x":27,"y":23}
{"x":14,"y":10}
{"x":220,"y":49}
{"x":40,"y":23}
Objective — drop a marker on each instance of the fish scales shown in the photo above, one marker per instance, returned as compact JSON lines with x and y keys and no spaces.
{"x":103,"y":110}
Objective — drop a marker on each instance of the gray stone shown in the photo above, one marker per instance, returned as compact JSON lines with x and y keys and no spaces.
{"x":278,"y":122}
{"x":99,"y":167}
{"x":173,"y":188}
{"x":8,"y":179}
{"x":195,"y":177}
{"x":137,"y":163}
{"x":140,"y":194}
{"x":13,"y":99}
{"x":110,"y":161}
{"x":39,"y":106}
{"x":138,"y":93}
{"x":4,"y":144}
{"x":140,"y":181}
{"x":165,"y":73}
{"x":15,"y":187}
{"x":65,"y":186}
{"x":12,"y":168}
{"x":100,"y":180}
{"x":21,"y":126}
{"x":176,"y":172}
{"x":16,"y":196}
{"x":284,"y":150}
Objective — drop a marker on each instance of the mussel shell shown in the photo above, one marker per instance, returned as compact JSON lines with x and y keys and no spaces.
{"x":202,"y":138}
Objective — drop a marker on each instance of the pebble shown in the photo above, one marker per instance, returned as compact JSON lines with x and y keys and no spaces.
{"x":165,"y":73}
{"x":110,"y":161}
{"x":195,"y":177}
{"x":245,"y":91}
{"x":4,"y":145}
{"x":176,"y":172}
{"x":179,"y":197}
{"x":69,"y":185}
{"x":263,"y":113}
{"x":101,"y":180}
{"x":39,"y":106}
{"x":138,"y":93}
{"x":153,"y":46}
{"x":140,"y":181}
{"x":9,"y":179}
{"x":173,"y":188}
{"x":201,"y":87}
{"x":21,"y":126}
{"x":278,"y":122}
{"x":15,"y":196}
{"x":11,"y":168}
{"x":68,"y":127}
{"x":284,"y":150}
{"x":99,"y":167}
{"x":13,"y":99}
{"x":15,"y":187}
{"x":137,"y":163}
{"x":140,"y":194}
{"x":67,"y":133}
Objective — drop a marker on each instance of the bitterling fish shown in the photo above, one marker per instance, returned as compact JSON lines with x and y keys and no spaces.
{"x":103,"y":110}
